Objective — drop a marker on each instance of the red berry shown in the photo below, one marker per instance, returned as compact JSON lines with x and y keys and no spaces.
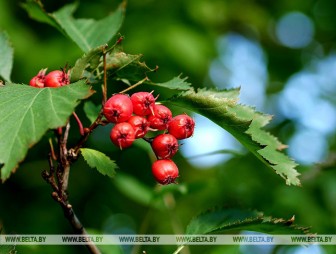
{"x":181,"y":126}
{"x":165,"y":146}
{"x":57,"y":78}
{"x":118,"y":108}
{"x":143,"y":103}
{"x":140,"y":125}
{"x":165,"y":171}
{"x":160,"y":118}
{"x":38,"y":80}
{"x":122,"y":135}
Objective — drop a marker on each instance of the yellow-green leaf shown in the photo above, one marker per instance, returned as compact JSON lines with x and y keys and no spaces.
{"x":100,"y":161}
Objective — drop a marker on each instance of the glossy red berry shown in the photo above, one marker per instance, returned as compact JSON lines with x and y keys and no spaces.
{"x":181,"y":126}
{"x":118,"y":108}
{"x":38,"y":80}
{"x":122,"y":135}
{"x":165,"y":146}
{"x":57,"y":78}
{"x":160,"y":118}
{"x":165,"y":171}
{"x":140,"y":125}
{"x":143,"y":103}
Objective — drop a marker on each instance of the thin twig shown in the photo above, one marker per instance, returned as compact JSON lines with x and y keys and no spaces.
{"x":135,"y":85}
{"x":53,"y":155}
{"x":49,"y":176}
{"x":170,"y":204}
{"x":179,"y":249}
{"x":105,"y":78}
{"x":64,"y":159}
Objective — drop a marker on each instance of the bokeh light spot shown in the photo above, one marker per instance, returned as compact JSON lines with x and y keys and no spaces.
{"x":295,"y":30}
{"x":208,"y":138}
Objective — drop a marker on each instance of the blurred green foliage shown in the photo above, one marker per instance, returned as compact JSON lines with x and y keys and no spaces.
{"x":179,"y":37}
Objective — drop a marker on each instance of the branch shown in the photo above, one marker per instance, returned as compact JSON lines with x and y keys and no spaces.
{"x":75,"y":222}
{"x":58,"y":180}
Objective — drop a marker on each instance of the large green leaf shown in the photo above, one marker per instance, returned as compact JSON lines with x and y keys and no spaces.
{"x":28,"y":112}
{"x":219,"y":221}
{"x":98,"y":160}
{"x":6,"y":57}
{"x":86,"y":33}
{"x":244,"y":123}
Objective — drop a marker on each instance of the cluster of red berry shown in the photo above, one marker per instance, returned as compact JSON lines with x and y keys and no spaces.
{"x":55,"y":78}
{"x":137,"y":114}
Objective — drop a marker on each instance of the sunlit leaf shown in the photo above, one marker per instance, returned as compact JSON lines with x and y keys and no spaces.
{"x":244,"y":123}
{"x":28,"y":112}
{"x":100,"y":161}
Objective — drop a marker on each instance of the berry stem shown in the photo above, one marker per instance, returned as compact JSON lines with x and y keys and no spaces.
{"x":80,"y":125}
{"x":135,"y":85}
{"x":121,"y":38}
{"x":74,"y":151}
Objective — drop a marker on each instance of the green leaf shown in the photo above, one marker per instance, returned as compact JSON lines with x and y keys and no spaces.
{"x":219,"y":221}
{"x":36,"y":11}
{"x":177,"y":83}
{"x":100,"y":161}
{"x":28,"y":112}
{"x":126,"y":66}
{"x":91,"y":111}
{"x":86,"y":33}
{"x":244,"y":123}
{"x":6,"y":59}
{"x":117,"y":60}
{"x":119,"y":65}
{"x":88,"y":62}
{"x":89,"y":33}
